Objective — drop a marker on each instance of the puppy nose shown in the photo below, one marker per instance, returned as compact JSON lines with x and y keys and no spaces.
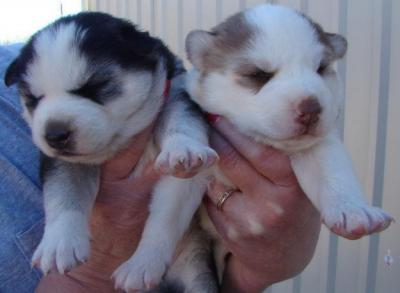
{"x":57,"y":135}
{"x":308,"y":111}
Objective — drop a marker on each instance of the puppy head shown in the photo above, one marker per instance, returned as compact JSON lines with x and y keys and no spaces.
{"x":88,"y":83}
{"x":268,"y":70}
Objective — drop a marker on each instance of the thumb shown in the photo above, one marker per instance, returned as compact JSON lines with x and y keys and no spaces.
{"x":124,"y":162}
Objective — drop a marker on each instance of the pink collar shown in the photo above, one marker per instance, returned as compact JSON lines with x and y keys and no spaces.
{"x":167,"y":87}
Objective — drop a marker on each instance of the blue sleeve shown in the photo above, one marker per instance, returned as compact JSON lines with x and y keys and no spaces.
{"x":21,"y":211}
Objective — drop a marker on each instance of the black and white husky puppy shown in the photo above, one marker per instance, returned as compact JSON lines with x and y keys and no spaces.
{"x":268,"y":70}
{"x":88,"y":84}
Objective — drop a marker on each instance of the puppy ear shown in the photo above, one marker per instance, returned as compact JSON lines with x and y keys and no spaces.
{"x":12,"y":73}
{"x":338,"y":44}
{"x":199,"y":44}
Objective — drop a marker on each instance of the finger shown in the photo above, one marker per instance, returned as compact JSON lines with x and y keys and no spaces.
{"x":215,"y":191}
{"x":220,"y":220}
{"x":245,"y":214}
{"x":233,"y":165}
{"x":229,"y":228}
{"x":117,"y":191}
{"x":270,"y":162}
{"x":124,"y":162}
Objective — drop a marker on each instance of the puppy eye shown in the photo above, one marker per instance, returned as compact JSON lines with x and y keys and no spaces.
{"x":91,"y":90}
{"x":322,"y":68}
{"x":32,"y":101}
{"x":260,"y":76}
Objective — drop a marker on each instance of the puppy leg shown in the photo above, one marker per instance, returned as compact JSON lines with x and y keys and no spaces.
{"x":69,"y":191}
{"x":182,"y":135}
{"x":326,"y":175}
{"x":194,"y":269}
{"x":172,"y":208}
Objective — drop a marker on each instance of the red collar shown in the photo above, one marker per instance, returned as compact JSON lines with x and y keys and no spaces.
{"x":167,"y":87}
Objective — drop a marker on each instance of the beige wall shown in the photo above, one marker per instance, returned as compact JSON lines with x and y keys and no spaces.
{"x":371,"y":73}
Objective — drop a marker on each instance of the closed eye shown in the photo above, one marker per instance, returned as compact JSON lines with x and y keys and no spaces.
{"x":92,"y":90}
{"x":260,"y":76}
{"x":31,"y":101}
{"x":254,"y":78}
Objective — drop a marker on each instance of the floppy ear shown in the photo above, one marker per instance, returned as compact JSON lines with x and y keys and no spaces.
{"x":12,"y":73}
{"x":199,"y":45}
{"x":338,"y":44}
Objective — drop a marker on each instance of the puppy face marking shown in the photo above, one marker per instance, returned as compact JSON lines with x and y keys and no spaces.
{"x":263,"y":85}
{"x":225,"y":41}
{"x":94,"y":79}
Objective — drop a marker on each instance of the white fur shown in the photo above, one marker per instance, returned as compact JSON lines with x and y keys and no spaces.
{"x":183,"y":144}
{"x":65,"y":243}
{"x":172,"y":208}
{"x":285,"y":42}
{"x":95,"y":126}
{"x":268,"y":115}
{"x":99,"y":132}
{"x":331,"y":184}
{"x":180,"y":150}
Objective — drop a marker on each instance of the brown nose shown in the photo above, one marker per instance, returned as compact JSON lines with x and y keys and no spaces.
{"x":309,"y":110}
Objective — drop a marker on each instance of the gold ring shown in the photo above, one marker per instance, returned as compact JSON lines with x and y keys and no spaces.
{"x":224,"y":197}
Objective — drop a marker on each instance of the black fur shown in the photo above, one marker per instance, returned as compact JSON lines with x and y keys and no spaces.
{"x":104,"y":38}
{"x":100,"y":87}
{"x":169,"y":287}
{"x":18,"y":66}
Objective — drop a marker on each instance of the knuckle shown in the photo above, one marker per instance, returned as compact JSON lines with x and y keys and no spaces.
{"x":272,"y":158}
{"x":261,"y":151}
{"x":229,"y":158}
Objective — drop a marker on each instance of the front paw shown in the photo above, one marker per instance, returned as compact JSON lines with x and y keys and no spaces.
{"x":185,"y":157}
{"x":140,"y":273}
{"x":354,"y":220}
{"x":65,"y":244}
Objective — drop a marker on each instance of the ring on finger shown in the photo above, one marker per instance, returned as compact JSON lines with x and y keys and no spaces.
{"x":224,"y":196}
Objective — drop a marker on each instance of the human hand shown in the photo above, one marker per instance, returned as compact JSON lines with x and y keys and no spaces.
{"x":117,"y":221}
{"x":269,"y":227}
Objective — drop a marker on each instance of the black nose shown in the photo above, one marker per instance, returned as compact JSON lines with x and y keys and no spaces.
{"x":58,"y":135}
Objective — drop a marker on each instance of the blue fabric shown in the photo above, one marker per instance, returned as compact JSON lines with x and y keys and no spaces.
{"x":21,"y":212}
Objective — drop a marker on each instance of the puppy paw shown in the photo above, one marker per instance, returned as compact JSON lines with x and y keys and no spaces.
{"x":183,"y":157}
{"x":354,"y":220}
{"x":139,"y":273}
{"x":65,"y":244}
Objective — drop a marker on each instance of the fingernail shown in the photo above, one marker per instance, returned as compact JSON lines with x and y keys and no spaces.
{"x":211,"y":162}
{"x":212,"y":118}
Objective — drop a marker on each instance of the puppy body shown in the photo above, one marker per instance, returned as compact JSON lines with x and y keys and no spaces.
{"x":268,"y":70}
{"x":88,"y":84}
